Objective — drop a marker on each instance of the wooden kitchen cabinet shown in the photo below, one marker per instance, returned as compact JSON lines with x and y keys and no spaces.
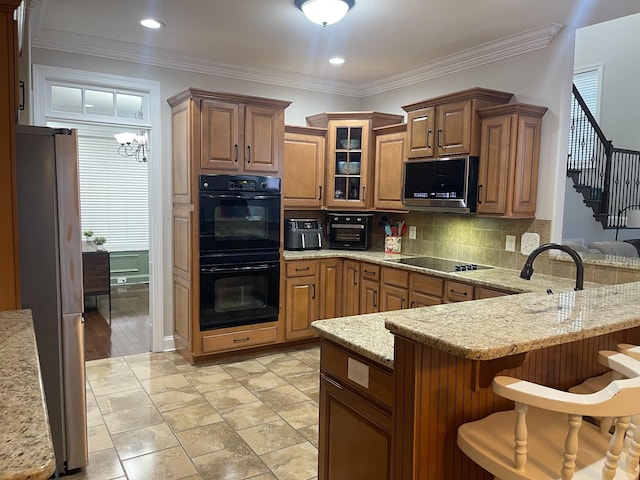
{"x":303,"y":170}
{"x":354,"y":418}
{"x":484,"y":292}
{"x":350,"y":288}
{"x":448,"y":125}
{"x":508,"y":167}
{"x":425,"y":290}
{"x":369,"y":288}
{"x":349,"y":158}
{"x":9,"y":255}
{"x":390,"y":145}
{"x":457,"y":292}
{"x":394,"y":289}
{"x":311,"y":293}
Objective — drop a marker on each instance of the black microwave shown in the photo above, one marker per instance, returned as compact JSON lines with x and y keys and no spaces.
{"x":441,"y":184}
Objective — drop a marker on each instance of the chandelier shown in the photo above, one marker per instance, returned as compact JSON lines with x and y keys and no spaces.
{"x":133,"y":145}
{"x":324,"y":12}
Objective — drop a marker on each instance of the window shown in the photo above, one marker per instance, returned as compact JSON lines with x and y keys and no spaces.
{"x":582,"y":138}
{"x":587,"y":81}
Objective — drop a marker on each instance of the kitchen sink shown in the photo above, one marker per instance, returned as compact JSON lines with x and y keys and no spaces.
{"x":441,"y":264}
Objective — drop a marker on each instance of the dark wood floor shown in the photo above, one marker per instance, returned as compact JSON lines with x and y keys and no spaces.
{"x":130,"y":331}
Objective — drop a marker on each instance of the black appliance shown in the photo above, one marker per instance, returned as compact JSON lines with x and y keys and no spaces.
{"x":239,"y":250}
{"x":441,"y":184}
{"x":303,"y":234}
{"x":441,"y":264}
{"x":349,"y":230}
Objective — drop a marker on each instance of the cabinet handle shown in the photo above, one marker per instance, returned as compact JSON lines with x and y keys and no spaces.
{"x":301,"y":269}
{"x":21,"y":106}
{"x":320,"y":188}
{"x":239,"y":340}
{"x":429,"y":134}
{"x":375,"y":298}
{"x":355,"y":277}
{"x":457,"y":293}
{"x":248,"y":153}
{"x":402,"y":300}
{"x":313,"y":295}
{"x":479,"y":195}
{"x":331,"y":381}
{"x":368,"y":272}
{"x":440,"y":138}
{"x":412,"y":305}
{"x":363,"y":195}
{"x":236,"y":160}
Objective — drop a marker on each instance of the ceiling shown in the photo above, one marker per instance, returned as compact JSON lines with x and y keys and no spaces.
{"x":386,"y":43}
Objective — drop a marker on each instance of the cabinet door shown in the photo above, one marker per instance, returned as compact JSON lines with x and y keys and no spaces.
{"x":527,"y":155}
{"x":220,"y":136}
{"x":351,"y":288}
{"x":457,"y":292}
{"x":493,"y":169}
{"x":264,"y":134}
{"x":330,"y":290}
{"x":303,"y":170}
{"x":454,"y":128}
{"x":369,"y":296}
{"x":348,"y":164}
{"x":355,"y":435}
{"x":420,"y":133}
{"x":390,"y":153}
{"x":393,"y":298}
{"x":300,"y":307}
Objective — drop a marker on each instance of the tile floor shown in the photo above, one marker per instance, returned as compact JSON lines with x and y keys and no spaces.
{"x":154,"y":416}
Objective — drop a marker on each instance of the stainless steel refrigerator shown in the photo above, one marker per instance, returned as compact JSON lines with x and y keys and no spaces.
{"x":50,"y":246}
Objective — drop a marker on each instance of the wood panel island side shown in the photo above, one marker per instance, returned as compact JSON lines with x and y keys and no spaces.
{"x":418,"y":374}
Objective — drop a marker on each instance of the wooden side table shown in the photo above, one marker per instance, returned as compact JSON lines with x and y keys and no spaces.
{"x":96,"y":272}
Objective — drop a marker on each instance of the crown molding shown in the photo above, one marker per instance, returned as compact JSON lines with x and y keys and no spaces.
{"x":503,"y":48}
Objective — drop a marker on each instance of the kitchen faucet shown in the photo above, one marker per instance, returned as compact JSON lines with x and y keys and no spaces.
{"x":527,"y":270}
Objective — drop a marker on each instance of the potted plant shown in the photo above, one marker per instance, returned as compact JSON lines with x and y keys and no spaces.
{"x":88,"y":235}
{"x":100,"y":241}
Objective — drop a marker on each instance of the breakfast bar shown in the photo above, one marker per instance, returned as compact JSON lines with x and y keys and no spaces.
{"x":442,"y":359}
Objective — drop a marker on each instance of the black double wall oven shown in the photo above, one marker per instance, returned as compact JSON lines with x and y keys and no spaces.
{"x":239,"y":250}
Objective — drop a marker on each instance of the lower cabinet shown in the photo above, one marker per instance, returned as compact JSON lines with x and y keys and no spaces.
{"x":311,"y":288}
{"x":369,"y":288}
{"x":355,"y":417}
{"x":350,"y":288}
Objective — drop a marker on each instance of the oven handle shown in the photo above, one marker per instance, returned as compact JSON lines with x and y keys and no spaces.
{"x":250,"y":268}
{"x":247,"y":197}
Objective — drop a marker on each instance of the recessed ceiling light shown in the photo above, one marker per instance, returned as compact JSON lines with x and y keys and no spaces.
{"x":336,"y":61}
{"x":151,"y":23}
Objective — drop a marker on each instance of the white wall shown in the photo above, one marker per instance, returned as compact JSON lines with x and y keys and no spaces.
{"x":615,"y":45}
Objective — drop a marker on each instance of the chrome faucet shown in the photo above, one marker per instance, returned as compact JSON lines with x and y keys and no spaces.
{"x":527,"y":270}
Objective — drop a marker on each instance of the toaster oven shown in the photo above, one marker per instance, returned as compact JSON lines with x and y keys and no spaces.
{"x":349,"y":230}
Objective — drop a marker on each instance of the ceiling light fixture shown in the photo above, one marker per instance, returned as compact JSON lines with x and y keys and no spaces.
{"x":133,"y":145}
{"x":324,"y":12}
{"x":336,"y":61}
{"x":151,"y":23}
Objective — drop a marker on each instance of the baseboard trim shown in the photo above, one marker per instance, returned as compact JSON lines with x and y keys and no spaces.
{"x":168,"y":344}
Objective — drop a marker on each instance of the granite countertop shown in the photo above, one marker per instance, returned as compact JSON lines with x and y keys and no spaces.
{"x":26,"y":449}
{"x":495,"y":277}
{"x":483,"y":329}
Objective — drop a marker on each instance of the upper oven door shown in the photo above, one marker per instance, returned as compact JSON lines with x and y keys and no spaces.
{"x":239,"y":221}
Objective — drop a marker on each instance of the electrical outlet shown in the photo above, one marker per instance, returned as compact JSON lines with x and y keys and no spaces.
{"x":510,"y":244}
{"x":412,"y":232}
{"x":121,"y":279}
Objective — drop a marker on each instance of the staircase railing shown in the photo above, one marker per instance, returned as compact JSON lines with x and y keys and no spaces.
{"x":607,"y":177}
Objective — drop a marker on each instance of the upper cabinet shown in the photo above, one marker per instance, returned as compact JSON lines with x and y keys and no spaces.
{"x":350,"y":161}
{"x":303,"y":172}
{"x":227,"y":133}
{"x":390,"y":145}
{"x":448,"y":125}
{"x":508,"y":167}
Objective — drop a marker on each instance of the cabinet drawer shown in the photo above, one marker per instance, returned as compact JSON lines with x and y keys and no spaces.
{"x":301,"y":268}
{"x":238,"y":340}
{"x":482,"y":292}
{"x":458,"y":292}
{"x":396,"y":277}
{"x":336,"y":362}
{"x":427,"y":284}
{"x":369,"y":271}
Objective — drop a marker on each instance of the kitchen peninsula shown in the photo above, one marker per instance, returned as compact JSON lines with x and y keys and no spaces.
{"x":26,"y":448}
{"x":420,"y":373}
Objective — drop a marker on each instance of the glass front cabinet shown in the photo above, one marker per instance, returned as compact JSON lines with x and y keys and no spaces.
{"x":350,"y":155}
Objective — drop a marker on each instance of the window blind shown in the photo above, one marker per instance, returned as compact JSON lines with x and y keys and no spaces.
{"x":587,"y":84}
{"x":113,"y":193}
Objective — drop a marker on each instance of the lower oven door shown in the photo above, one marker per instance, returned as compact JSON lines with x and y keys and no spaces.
{"x":241,"y":294}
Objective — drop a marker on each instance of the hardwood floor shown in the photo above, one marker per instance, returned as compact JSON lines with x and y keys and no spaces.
{"x":130,"y":331}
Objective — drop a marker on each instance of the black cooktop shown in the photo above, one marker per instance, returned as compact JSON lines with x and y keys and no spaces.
{"x":441,"y":264}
